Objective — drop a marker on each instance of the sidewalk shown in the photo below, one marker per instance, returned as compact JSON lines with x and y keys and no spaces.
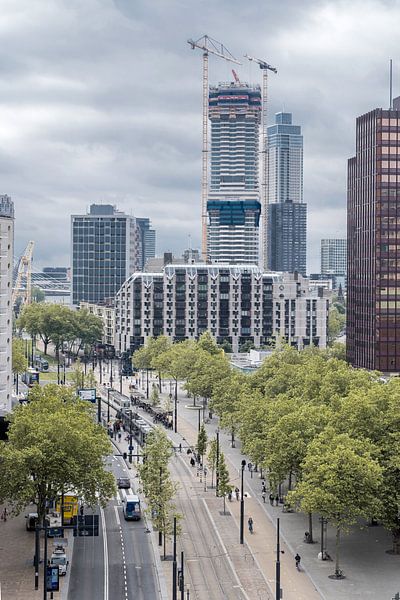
{"x":17,"y":546}
{"x":370,"y":572}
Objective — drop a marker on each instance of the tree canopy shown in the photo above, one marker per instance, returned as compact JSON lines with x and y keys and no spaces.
{"x":54,"y":446}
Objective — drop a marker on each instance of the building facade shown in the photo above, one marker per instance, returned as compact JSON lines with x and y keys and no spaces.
{"x":147,"y":241}
{"x":233,"y":205}
{"x":234,"y":303}
{"x":334,"y":257}
{"x":6,"y":308}
{"x":287,"y":212}
{"x":106,"y":249}
{"x":106,"y":313}
{"x":373,"y":246}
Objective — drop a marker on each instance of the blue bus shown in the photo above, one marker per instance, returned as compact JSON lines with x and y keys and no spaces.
{"x":131,"y":507}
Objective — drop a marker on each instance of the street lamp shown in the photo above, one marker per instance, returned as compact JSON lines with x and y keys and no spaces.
{"x":242,"y":505}
{"x":217,"y":463}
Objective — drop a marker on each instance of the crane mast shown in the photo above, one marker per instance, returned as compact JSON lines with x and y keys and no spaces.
{"x":208,"y":46}
{"x":24,"y":272}
{"x":265,"y":67}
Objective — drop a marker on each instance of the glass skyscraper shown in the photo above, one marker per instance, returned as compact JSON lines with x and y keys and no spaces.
{"x":107,"y":247}
{"x":233,"y":205}
{"x":287,"y":213}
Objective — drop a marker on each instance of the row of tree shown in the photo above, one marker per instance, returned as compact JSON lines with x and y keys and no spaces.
{"x":327,"y":434}
{"x":58,"y":324}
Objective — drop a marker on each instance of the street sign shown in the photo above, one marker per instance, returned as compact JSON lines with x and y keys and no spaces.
{"x":52,"y":579}
{"x":87,"y":394}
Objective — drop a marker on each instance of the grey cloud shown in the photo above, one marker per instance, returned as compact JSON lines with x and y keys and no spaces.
{"x":101,"y":101}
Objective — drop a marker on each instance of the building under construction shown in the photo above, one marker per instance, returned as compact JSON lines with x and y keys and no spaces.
{"x":233,"y":204}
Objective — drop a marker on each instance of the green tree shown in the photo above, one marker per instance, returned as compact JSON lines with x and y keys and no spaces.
{"x":202,"y":439}
{"x":19,"y":360}
{"x":38,"y":295}
{"x":226,"y":346}
{"x":54,"y":445}
{"x":177,"y":361}
{"x":86,"y":329}
{"x":206,"y":371}
{"x":207,"y":343}
{"x":225,"y":401}
{"x":156,"y":481}
{"x":212,"y":459}
{"x":224,"y":486}
{"x":341,"y":480}
{"x":336,"y":323}
{"x":154,"y":396}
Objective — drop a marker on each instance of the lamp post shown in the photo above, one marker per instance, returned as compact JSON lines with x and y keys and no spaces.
{"x":176,"y":414}
{"x":242,"y":505}
{"x":217,"y":463}
{"x":147,"y":384}
{"x":111,"y":374}
{"x":108,"y":406}
{"x":130,"y":437}
{"x":278,"y":565}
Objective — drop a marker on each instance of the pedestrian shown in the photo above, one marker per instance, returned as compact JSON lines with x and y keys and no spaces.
{"x":250,"y":524}
{"x":263,"y":483}
{"x":271,"y":499}
{"x":81,"y":510}
{"x":192,"y":461}
{"x":249,"y":466}
{"x":297,"y":558}
{"x":277,"y":500}
{"x":180,"y":447}
{"x":237,"y":493}
{"x":119,"y":436}
{"x":264,"y":489}
{"x":230,"y":496}
{"x":263,"y":496}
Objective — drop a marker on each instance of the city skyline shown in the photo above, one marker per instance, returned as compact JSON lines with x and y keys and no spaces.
{"x":76,"y":131}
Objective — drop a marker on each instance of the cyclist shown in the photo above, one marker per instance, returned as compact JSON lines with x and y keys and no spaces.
{"x":297,"y":558}
{"x":250,"y":524}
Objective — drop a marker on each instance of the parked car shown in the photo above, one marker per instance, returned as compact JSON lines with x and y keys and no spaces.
{"x":124,"y":483}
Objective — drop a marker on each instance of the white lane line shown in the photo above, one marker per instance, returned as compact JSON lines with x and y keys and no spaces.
{"x":105,"y":550}
{"x":117,"y":515}
{"x":224,"y":550}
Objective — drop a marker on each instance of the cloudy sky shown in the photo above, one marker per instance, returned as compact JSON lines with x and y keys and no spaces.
{"x":100,"y":101}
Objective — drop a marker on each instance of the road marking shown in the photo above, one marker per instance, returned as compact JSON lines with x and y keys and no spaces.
{"x":117,"y":515}
{"x":105,"y":550}
{"x":228,"y":558}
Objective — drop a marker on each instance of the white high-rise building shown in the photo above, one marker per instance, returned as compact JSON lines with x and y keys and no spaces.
{"x":233,"y":205}
{"x":334,"y":256}
{"x":6,"y":283}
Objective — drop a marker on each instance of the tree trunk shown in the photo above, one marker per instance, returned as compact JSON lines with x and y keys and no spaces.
{"x":310,"y":531}
{"x":396,"y":541}
{"x":164,"y":536}
{"x":337,"y":551}
{"x":159,"y":382}
{"x":290,"y":481}
{"x":212,"y":478}
{"x":224,"y":505}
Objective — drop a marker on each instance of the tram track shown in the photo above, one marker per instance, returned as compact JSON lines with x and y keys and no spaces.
{"x":207,"y":566}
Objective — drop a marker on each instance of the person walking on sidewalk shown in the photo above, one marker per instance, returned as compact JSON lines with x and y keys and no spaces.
{"x":264,"y":495}
{"x":297,"y":558}
{"x":271,"y":499}
{"x":277,"y":500}
{"x":237,"y":493}
{"x":250,"y":524}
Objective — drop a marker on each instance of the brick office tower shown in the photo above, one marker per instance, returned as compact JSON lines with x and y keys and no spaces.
{"x":373,"y":233}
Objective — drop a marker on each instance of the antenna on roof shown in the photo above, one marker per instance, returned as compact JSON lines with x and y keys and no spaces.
{"x":390,"y":84}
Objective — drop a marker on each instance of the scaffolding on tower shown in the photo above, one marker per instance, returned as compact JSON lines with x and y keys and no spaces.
{"x":208,"y":46}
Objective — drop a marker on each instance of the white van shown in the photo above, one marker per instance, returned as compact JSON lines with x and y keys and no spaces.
{"x":59,"y":559}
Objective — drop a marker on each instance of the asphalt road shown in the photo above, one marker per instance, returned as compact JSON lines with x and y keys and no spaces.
{"x":129,"y":572}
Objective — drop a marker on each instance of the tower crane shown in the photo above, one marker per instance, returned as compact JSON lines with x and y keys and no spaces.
{"x":265,"y":67}
{"x":24,"y":271}
{"x":208,"y":46}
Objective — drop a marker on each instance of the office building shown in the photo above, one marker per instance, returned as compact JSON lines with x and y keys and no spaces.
{"x":373,"y":243}
{"x":147,"y":241}
{"x":106,"y":249}
{"x":6,"y":308}
{"x":334,"y":257}
{"x":287,"y":213}
{"x":233,"y":205}
{"x":234,"y":303}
